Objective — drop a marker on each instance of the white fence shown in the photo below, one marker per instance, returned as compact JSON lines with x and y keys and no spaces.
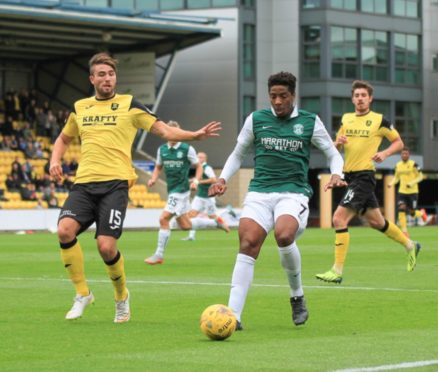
{"x":46,"y":219}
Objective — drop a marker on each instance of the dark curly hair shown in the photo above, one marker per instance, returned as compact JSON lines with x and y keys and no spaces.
{"x":283,"y":78}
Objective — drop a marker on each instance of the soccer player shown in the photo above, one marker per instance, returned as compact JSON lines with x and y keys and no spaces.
{"x":360,"y":135}
{"x":408,"y":175}
{"x":202,"y":203}
{"x":176,"y":158}
{"x":106,"y":125}
{"x":281,"y":138}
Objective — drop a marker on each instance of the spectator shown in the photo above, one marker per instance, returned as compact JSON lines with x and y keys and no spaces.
{"x":6,"y":128}
{"x":31,"y":113}
{"x":73,"y":167}
{"x":65,"y":167}
{"x":52,"y":201}
{"x":31,"y":151}
{"x":13,"y":183}
{"x":28,"y":192}
{"x":51,"y":122}
{"x":41,"y":118}
{"x":16,"y":170}
{"x":6,"y":144}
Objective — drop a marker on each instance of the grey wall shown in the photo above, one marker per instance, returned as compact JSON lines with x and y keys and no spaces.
{"x":277,"y":42}
{"x":204,"y":87}
{"x":430,"y":84}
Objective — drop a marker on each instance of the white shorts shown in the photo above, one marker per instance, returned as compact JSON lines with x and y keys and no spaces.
{"x":206,"y":205}
{"x":178,"y":203}
{"x":265,"y":208}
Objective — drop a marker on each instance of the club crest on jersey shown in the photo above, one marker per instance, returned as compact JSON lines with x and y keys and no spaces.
{"x":179,"y":154}
{"x":368,"y":123}
{"x":298,"y":129}
{"x":114,"y":106}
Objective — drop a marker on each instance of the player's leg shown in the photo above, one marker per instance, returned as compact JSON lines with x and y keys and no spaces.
{"x":163,"y":239}
{"x":192,"y":233}
{"x":109,"y":227}
{"x":378,"y":222}
{"x":402,"y":219}
{"x":251,"y":237}
{"x":201,"y":205}
{"x":291,"y":215}
{"x":256,"y":221}
{"x":211,"y":210}
{"x":341,"y":219}
{"x":75,"y":216}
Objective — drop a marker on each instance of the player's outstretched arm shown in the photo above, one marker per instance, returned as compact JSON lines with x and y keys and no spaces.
{"x":168,"y":133}
{"x":59,"y":149}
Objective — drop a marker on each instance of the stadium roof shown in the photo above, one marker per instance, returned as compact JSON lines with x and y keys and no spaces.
{"x":53,"y":30}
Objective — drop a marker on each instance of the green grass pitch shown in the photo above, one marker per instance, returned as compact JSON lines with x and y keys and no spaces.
{"x":381,"y":314}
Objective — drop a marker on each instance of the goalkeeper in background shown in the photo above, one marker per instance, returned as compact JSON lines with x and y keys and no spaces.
{"x":408,"y":176}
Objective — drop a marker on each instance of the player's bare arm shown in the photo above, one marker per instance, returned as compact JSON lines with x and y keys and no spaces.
{"x":198,"y":175}
{"x":218,"y":188}
{"x":168,"y":133}
{"x":396,"y":146}
{"x":155,"y":174}
{"x":59,"y":149}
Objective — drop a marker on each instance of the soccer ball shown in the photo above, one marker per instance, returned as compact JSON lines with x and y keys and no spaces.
{"x":218,"y":322}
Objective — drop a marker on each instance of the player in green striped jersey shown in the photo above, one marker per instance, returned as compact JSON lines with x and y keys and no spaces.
{"x":278,"y":196}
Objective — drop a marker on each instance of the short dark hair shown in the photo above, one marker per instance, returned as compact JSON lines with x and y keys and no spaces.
{"x":406,"y":149}
{"x":283,"y":78}
{"x":357,"y":84}
{"x":102,"y":59}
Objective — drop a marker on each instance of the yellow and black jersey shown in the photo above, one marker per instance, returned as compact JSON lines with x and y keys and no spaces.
{"x":107,"y":129}
{"x":364,"y":134}
{"x":408,"y":174}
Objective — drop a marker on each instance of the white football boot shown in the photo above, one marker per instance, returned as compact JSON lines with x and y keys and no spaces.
{"x":79,"y":305}
{"x":123,"y":312}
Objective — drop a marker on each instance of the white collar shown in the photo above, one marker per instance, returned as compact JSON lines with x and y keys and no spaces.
{"x":178,"y":144}
{"x":293,"y":114}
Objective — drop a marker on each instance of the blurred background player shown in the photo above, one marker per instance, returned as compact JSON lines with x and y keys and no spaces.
{"x":279,"y":193}
{"x":202,"y":203}
{"x":106,"y":125}
{"x":360,"y":135}
{"x":408,"y":175}
{"x":176,"y":158}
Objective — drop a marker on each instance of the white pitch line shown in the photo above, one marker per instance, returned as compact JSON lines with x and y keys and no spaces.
{"x":389,"y":367}
{"x":261,"y":285}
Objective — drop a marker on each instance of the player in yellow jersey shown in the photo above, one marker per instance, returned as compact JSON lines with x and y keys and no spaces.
{"x":106,"y":125}
{"x":408,"y":175}
{"x":360,"y":135}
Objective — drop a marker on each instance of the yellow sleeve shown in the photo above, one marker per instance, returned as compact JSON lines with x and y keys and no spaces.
{"x":388,"y":131}
{"x":143,"y":120}
{"x":419,"y":176}
{"x":142,"y":117}
{"x":71,"y":126}
{"x":396,"y":178}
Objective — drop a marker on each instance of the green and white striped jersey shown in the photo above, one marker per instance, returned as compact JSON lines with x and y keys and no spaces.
{"x":176,"y":162}
{"x":282,"y":150}
{"x":207,"y":172}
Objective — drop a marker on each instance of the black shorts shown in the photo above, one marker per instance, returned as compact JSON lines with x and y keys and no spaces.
{"x":410,"y":200}
{"x":360,"y":191}
{"x":102,"y":202}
